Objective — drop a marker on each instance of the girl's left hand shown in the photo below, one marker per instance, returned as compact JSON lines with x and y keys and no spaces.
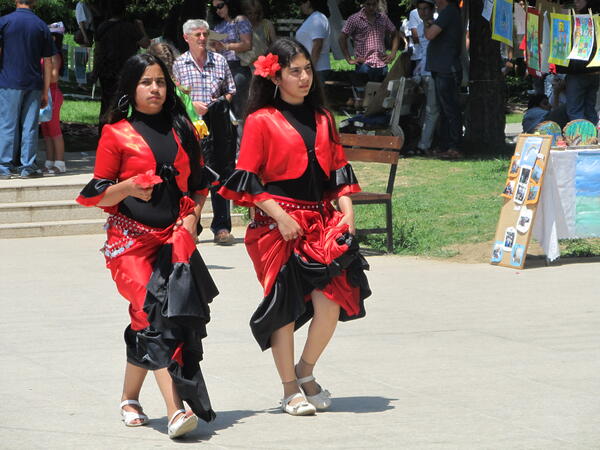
{"x":349,"y":220}
{"x":190,"y":223}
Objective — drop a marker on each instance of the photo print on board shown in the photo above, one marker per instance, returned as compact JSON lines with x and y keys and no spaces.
{"x":517,"y":255}
{"x":520,"y":193}
{"x":497,"y":251}
{"x":525,"y":174}
{"x":537,"y":171}
{"x":509,"y":189}
{"x":509,"y":238}
{"x":524,"y":220}
{"x":534,"y":194}
{"x":513,"y":169}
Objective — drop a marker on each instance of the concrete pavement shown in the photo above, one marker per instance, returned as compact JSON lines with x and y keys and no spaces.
{"x":450,"y":356}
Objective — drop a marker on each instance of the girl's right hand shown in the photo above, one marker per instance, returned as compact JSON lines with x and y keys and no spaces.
{"x":137,"y":191}
{"x":289,"y":228}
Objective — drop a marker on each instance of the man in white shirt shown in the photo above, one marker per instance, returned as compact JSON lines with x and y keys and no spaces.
{"x":414,"y":38}
{"x":314,"y":34}
{"x":85,"y":20}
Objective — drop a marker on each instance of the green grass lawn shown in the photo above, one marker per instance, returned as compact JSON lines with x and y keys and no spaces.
{"x":80,"y":111}
{"x":437,"y":204}
{"x":514,"y":118}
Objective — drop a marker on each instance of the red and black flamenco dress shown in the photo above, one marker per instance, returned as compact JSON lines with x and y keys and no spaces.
{"x":156,"y":266}
{"x":289,"y":153}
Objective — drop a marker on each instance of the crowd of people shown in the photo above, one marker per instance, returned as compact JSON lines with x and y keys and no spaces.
{"x":214,"y":65}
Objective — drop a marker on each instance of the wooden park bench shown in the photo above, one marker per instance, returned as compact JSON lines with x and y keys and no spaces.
{"x":375,"y":149}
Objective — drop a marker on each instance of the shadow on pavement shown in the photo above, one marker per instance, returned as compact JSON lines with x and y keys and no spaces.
{"x":361,"y":405}
{"x":224,"y":420}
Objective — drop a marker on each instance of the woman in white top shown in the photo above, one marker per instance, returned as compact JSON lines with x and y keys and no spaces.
{"x":314,"y":34}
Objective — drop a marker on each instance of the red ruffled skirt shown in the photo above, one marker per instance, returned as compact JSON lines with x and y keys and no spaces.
{"x":325,"y":258}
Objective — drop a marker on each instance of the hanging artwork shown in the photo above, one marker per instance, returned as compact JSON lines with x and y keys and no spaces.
{"x":502,"y":22}
{"x":533,"y":42}
{"x":583,"y":37}
{"x":595,"y":62}
{"x":560,"y":39}
{"x":545,"y":53}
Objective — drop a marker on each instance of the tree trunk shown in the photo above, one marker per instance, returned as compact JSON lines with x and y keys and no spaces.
{"x":485,"y":119}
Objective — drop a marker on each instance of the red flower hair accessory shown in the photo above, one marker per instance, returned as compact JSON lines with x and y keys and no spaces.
{"x":147,"y":180}
{"x":267,"y":66}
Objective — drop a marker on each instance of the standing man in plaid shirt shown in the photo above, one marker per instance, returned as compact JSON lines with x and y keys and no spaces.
{"x":368,"y":29}
{"x":207,"y":77}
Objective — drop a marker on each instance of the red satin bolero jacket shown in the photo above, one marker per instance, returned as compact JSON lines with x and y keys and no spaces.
{"x":273,"y":149}
{"x":122,"y":153}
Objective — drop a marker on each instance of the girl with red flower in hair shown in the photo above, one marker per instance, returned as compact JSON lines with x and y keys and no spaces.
{"x":291,"y":167}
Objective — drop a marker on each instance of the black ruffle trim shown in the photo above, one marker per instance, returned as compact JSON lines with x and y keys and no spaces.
{"x":177,"y":306}
{"x":96,"y":187}
{"x":298,"y":278}
{"x":341,"y":177}
{"x":243,"y":181}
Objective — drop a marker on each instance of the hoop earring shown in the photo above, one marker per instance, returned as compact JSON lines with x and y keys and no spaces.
{"x":123,"y":103}
{"x":275,"y":93}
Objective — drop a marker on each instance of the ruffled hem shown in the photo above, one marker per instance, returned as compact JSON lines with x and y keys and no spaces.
{"x":94,"y":191}
{"x":289,"y":298}
{"x":244,"y":188}
{"x":341,"y":182}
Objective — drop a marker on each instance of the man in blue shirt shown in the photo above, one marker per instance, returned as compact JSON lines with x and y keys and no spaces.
{"x":24,"y":41}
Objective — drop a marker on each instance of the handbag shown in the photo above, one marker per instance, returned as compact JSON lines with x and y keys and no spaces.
{"x":46,"y":112}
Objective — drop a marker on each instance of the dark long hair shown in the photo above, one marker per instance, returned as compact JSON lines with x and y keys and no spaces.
{"x":132,"y":72}
{"x":262,"y":90}
{"x":234,"y":9}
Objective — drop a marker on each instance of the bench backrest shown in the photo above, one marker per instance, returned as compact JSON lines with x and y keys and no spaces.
{"x":376,"y":149}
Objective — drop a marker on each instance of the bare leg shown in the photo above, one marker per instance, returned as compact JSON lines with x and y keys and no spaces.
{"x":167,"y":389}
{"x":59,"y":148}
{"x":132,"y":385}
{"x":320,"y":332}
{"x":282,"y":346}
{"x":50,"y":153}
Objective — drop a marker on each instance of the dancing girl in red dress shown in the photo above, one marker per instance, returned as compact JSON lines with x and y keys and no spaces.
{"x":291,"y":167}
{"x":149,"y":176}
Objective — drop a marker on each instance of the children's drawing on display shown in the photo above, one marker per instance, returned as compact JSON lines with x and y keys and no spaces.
{"x":531,"y":148}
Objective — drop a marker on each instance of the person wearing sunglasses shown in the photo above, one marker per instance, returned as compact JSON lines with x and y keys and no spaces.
{"x":230,"y":21}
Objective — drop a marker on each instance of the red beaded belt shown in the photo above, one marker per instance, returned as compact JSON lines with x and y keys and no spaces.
{"x":261,"y":218}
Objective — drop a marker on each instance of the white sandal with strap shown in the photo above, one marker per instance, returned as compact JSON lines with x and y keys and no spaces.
{"x":128,"y":417}
{"x":303,"y":408}
{"x":184,"y":424}
{"x":322,"y":400}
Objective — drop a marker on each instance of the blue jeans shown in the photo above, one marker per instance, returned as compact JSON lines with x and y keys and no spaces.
{"x":447,"y":87}
{"x":19,"y":113}
{"x":581,"y":90}
{"x":221,"y":214}
{"x":373,"y":73}
{"x":432,"y":113}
